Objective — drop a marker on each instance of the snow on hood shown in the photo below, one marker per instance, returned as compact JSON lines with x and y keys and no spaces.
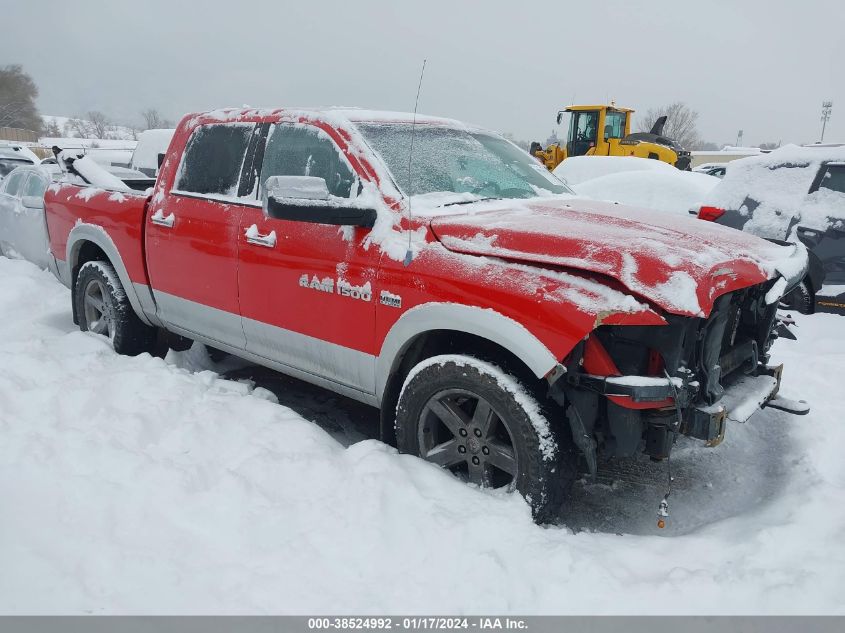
{"x":680,"y":264}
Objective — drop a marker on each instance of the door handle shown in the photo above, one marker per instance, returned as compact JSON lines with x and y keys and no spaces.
{"x":162,"y":220}
{"x":254,"y":237}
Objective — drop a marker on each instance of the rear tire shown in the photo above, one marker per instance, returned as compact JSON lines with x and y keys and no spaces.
{"x":487,"y":428}
{"x":799,"y":299}
{"x":103,"y":308}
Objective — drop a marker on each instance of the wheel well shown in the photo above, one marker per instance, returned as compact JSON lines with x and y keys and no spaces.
{"x":435,"y":343}
{"x":88,"y":252}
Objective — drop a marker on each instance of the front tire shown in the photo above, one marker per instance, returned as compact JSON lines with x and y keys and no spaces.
{"x":103,"y":308}
{"x":487,"y":428}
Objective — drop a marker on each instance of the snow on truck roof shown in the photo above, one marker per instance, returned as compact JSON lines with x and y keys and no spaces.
{"x":335,"y":114}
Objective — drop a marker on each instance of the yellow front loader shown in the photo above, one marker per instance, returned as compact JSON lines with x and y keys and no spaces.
{"x":600,"y":130}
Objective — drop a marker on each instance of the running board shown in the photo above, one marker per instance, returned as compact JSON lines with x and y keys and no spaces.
{"x":795,"y":407}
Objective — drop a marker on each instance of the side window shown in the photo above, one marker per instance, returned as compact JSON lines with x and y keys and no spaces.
{"x":213,"y":159}
{"x":35,"y":186}
{"x":614,"y":124}
{"x":834,"y":178}
{"x":301,"y":151}
{"x":14,"y":183}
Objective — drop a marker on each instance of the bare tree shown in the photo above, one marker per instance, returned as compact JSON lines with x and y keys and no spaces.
{"x":680,"y":123}
{"x":17,"y":99}
{"x":52,"y":129}
{"x":77,"y":127}
{"x":153,"y":119}
{"x":99,"y":125}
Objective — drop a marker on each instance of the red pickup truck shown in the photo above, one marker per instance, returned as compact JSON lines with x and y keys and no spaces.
{"x":505,"y":328}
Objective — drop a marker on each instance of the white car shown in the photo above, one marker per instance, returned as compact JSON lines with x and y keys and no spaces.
{"x":23,"y":229}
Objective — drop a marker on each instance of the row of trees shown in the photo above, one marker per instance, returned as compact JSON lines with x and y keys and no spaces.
{"x":96,"y":125}
{"x":18,"y":94}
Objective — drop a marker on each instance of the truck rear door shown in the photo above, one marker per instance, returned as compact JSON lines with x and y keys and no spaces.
{"x":192,"y":236}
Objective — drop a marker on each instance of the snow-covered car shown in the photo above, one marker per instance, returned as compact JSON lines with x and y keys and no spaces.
{"x":501,"y":325}
{"x":712,"y":169}
{"x":13,"y":155}
{"x":792,"y":194}
{"x":151,"y":144}
{"x":637,"y":182}
{"x":23,"y":230}
{"x":577,"y":169}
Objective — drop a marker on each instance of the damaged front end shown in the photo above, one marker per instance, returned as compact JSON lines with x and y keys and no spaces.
{"x":630,"y":389}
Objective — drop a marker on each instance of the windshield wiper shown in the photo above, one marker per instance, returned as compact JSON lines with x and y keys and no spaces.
{"x":449,"y":204}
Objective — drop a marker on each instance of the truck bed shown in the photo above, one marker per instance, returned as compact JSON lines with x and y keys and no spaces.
{"x":118,"y":214}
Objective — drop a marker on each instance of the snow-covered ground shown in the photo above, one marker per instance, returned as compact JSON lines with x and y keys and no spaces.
{"x":142,"y":485}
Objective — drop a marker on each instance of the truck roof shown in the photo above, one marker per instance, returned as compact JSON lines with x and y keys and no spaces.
{"x":339,"y":114}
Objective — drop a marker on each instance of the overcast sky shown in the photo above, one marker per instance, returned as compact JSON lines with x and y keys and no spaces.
{"x":761,"y":66}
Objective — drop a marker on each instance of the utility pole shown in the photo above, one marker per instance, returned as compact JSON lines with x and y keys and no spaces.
{"x":827,"y":106}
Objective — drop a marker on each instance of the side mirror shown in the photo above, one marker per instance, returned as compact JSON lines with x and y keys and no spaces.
{"x":33,"y":202}
{"x":307,"y":199}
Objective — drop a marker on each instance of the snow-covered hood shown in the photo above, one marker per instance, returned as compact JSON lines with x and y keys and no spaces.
{"x":681,"y":264}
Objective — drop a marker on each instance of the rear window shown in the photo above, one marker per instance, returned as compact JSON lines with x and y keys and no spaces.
{"x":213,"y":159}
{"x":8,"y":164}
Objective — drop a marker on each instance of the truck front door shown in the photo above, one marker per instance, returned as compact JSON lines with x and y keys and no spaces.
{"x":306,"y":293}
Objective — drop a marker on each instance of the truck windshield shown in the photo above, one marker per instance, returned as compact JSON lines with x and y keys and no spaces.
{"x":450,"y":160}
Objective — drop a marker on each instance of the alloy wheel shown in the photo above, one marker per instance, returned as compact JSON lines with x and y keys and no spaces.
{"x":463,"y":432}
{"x":98,"y":313}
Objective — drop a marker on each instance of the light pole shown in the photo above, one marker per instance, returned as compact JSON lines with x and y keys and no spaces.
{"x":827,"y":106}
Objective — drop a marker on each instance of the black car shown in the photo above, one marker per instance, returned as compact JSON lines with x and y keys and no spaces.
{"x":792,"y":194}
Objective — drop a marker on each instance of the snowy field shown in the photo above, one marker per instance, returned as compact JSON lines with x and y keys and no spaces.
{"x":141,"y":485}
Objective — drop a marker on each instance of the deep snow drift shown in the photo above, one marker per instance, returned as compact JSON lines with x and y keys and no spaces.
{"x":138,"y":485}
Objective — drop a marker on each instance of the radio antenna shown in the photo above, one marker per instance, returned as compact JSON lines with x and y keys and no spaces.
{"x":409,"y":254}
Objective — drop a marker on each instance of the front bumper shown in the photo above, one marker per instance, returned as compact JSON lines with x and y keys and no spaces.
{"x":741,"y":399}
